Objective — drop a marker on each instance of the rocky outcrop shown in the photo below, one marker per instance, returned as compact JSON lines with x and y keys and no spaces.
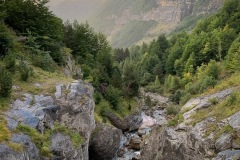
{"x":191,"y":142}
{"x":228,"y":154}
{"x":72,"y":106}
{"x":105,"y":142}
{"x":195,"y":104}
{"x":77,"y":110}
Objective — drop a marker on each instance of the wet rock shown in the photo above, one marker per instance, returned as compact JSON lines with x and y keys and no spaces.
{"x":121,"y":152}
{"x":133,"y":121}
{"x":105,"y":142}
{"x":29,"y":146}
{"x":224,"y":142}
{"x":228,"y":155}
{"x":135,"y":143}
{"x":143,"y":131}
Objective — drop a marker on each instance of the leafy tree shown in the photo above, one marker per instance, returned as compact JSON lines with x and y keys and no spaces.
{"x":130,"y":79}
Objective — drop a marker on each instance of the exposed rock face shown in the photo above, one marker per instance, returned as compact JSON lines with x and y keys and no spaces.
{"x":105,"y":142}
{"x":191,"y":142}
{"x":7,"y":153}
{"x":224,"y":142}
{"x":234,"y":121}
{"x":29,"y":146}
{"x":196,"y":104}
{"x":117,"y":121}
{"x":77,"y":110}
{"x":30,"y":151}
{"x":228,"y":154}
{"x":72,"y":106}
{"x":62,"y":147}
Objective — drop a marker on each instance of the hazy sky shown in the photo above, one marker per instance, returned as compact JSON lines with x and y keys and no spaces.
{"x":74,"y":9}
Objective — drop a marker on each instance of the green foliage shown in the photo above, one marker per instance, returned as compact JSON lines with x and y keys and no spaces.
{"x":10,"y":62}
{"x":33,"y":15}
{"x":172,"y":110}
{"x":25,"y":71}
{"x":113,"y":95}
{"x":5,"y":83}
{"x":130,"y":79}
{"x":6,"y":40}
{"x":148,"y":101}
{"x":233,"y":57}
{"x":42,"y":141}
{"x":75,"y":137}
{"x":5,"y":134}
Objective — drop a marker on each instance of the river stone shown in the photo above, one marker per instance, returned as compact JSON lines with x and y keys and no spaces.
{"x":105,"y":142}
{"x":133,"y":121}
{"x":135,"y":143}
{"x":29,"y":146}
{"x":234,"y":121}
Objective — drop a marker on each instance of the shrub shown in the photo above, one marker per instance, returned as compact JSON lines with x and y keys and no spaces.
{"x":10,"y":62}
{"x":176,"y":96}
{"x":5,"y":83}
{"x":25,"y":71}
{"x":148,"y":101}
{"x":6,"y":40}
{"x":185,"y":98}
{"x":173,"y":110}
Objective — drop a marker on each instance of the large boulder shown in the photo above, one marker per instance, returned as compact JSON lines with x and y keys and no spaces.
{"x":72,"y":106}
{"x":134,"y":121}
{"x":117,"y":121}
{"x":76,"y":111}
{"x":105,"y":142}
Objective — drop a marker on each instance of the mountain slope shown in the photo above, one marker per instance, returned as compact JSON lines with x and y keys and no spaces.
{"x":145,"y":20}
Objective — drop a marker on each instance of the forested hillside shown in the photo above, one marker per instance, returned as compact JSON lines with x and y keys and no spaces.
{"x":190,"y":64}
{"x":36,"y":45}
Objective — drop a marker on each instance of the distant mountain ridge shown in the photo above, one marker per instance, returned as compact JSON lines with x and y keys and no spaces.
{"x":127,"y":22}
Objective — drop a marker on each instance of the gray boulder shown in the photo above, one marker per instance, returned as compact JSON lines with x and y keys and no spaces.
{"x":234,"y":121}
{"x":117,"y":121}
{"x":228,"y":155}
{"x":6,"y":153}
{"x":28,"y":145}
{"x":62,"y":146}
{"x":105,"y":142}
{"x":134,"y":121}
{"x":224,"y":142}
{"x":76,"y":111}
